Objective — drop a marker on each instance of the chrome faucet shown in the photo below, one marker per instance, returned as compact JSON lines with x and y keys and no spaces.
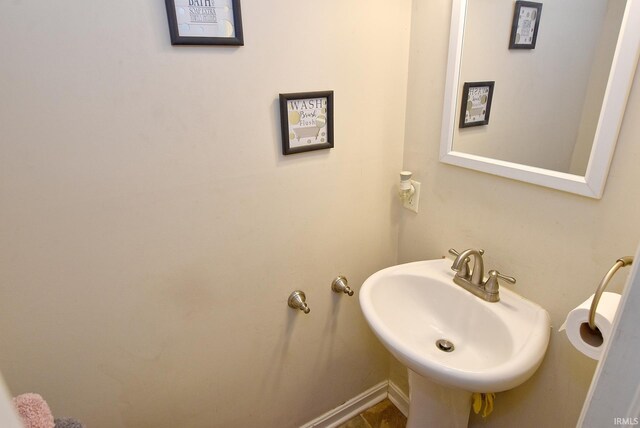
{"x":473,"y":281}
{"x":461,"y":265}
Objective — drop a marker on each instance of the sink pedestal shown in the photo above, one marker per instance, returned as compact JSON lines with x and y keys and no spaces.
{"x":434,"y":405}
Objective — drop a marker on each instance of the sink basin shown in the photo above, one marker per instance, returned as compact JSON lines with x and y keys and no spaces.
{"x":497,"y":346}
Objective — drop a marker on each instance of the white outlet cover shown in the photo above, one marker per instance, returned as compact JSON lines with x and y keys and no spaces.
{"x":413,"y":202}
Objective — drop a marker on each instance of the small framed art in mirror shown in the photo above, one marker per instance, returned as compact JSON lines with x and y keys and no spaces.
{"x":526,"y":21}
{"x":476,"y":103}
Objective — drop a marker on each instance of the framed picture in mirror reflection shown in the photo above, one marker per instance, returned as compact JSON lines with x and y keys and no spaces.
{"x":476,"y":103}
{"x":524,"y":29}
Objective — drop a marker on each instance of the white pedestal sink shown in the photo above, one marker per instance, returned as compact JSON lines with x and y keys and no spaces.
{"x":496,"y":346}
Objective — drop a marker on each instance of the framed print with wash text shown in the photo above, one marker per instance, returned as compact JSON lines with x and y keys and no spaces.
{"x":476,"y":103}
{"x":306,"y":120}
{"x":205,"y":22}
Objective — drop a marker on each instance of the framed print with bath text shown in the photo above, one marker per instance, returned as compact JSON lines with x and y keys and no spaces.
{"x":524,"y":29}
{"x":205,"y":22}
{"x":476,"y":103}
{"x":306,"y":120}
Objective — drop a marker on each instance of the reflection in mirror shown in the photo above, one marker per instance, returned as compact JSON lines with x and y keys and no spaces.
{"x":547,"y":100}
{"x":557,"y":108}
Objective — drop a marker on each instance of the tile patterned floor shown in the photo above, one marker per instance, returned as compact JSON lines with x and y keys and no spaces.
{"x":382,"y":415}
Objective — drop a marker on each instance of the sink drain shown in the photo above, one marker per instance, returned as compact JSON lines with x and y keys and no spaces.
{"x":444,"y":345}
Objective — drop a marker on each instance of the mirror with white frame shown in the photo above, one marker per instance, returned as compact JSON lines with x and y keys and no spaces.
{"x":556,"y":110}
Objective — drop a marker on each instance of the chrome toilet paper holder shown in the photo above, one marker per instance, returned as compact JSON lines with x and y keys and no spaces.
{"x":620,"y":263}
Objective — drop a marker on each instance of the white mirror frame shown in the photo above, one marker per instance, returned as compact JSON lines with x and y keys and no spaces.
{"x":614,"y":103}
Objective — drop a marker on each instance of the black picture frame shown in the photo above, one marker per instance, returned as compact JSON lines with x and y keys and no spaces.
{"x":522,"y":24}
{"x":306,"y":120}
{"x":203,"y":14}
{"x":472,"y":100}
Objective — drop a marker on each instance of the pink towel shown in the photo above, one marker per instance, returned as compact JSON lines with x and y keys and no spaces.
{"x":34,"y":411}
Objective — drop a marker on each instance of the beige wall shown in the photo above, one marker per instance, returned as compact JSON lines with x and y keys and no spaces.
{"x":556,"y":244}
{"x":151,"y":231}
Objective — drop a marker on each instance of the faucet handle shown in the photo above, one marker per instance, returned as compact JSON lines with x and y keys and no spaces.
{"x":509,"y":279}
{"x":491,"y":285}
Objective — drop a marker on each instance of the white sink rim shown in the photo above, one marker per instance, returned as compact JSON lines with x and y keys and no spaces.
{"x":530,"y":345}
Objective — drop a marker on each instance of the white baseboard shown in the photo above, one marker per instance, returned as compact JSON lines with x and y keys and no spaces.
{"x":399,"y":398}
{"x":351,"y":408}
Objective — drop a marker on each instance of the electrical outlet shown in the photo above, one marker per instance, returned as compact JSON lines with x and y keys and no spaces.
{"x":412,"y":202}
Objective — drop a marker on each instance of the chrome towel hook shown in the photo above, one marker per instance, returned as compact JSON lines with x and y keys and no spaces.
{"x":297,"y":300}
{"x":340,"y":285}
{"x":621,"y":262}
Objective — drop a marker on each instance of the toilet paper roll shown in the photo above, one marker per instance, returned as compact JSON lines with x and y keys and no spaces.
{"x":581,"y":336}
